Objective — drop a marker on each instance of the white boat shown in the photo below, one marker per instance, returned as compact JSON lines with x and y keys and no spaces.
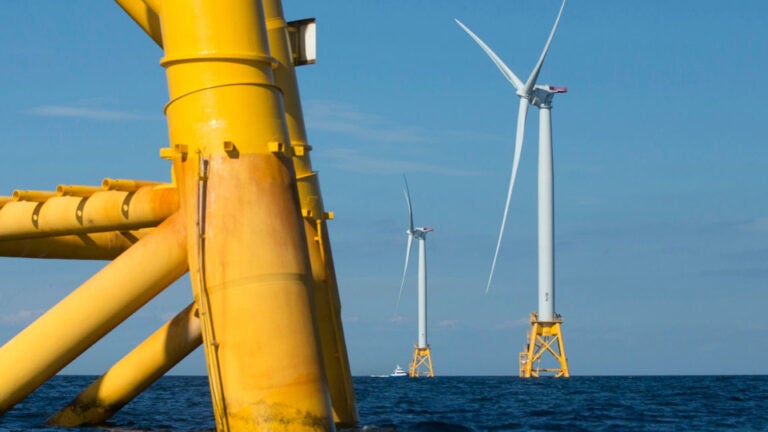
{"x":399,"y":372}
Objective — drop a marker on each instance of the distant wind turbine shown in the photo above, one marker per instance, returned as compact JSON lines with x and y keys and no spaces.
{"x":421,"y":355}
{"x":545,"y":336}
{"x":527,"y":92}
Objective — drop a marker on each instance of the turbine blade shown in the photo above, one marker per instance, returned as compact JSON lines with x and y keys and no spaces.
{"x":521,"y":115}
{"x":408,"y":201}
{"x":508,"y":74}
{"x":535,"y":72}
{"x":405,"y":269}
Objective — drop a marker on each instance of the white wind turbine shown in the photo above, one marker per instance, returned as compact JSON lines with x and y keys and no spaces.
{"x":541,"y":96}
{"x":420,"y":234}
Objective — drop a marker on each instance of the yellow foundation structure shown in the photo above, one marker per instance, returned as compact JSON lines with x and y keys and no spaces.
{"x":248,"y":255}
{"x":327,"y":305}
{"x":421,"y":365}
{"x":544,"y":338}
{"x":244,"y":215}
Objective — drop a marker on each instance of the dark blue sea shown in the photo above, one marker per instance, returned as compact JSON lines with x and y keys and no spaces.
{"x":643,"y":403}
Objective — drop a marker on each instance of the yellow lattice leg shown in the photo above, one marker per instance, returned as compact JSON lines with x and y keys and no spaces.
{"x":421,"y":365}
{"x":544,"y":337}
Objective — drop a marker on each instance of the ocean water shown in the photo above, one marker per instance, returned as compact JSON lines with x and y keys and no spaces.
{"x":643,"y":403}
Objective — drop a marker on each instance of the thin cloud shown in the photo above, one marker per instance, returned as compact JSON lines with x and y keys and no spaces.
{"x":399,"y":319}
{"x":348,"y":120}
{"x":20,"y":317}
{"x":521,"y":322}
{"x":755,"y":225}
{"x":753,"y":272}
{"x":448,"y":324}
{"x":353,"y":160}
{"x":83,"y":113}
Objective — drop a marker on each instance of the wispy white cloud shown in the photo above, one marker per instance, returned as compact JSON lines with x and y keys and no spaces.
{"x":20,"y":317}
{"x":83,"y":113}
{"x":755,"y":225}
{"x":399,"y":319}
{"x":354,"y":160}
{"x":521,"y":322}
{"x":448,"y":323}
{"x":349,"y":120}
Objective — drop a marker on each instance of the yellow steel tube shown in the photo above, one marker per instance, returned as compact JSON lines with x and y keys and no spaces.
{"x":134,"y":372}
{"x":144,"y":16}
{"x":102,"y":211}
{"x":127,"y":185}
{"x":94,"y":246}
{"x":77,"y":190}
{"x":32,"y":195}
{"x":226,"y":112}
{"x":326,"y":293}
{"x":88,"y":313}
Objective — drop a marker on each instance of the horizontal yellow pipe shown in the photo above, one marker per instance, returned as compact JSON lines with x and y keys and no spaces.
{"x":76,"y":190}
{"x":91,"y":311}
{"x":102,"y":211}
{"x":134,"y":372}
{"x":94,"y":246}
{"x":32,"y":195}
{"x":127,"y":185}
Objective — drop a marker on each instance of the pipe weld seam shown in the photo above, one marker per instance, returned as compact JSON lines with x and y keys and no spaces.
{"x":255,"y":84}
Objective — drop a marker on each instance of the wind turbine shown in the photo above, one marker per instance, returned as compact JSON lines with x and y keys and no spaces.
{"x":546,"y":324}
{"x":422,"y":358}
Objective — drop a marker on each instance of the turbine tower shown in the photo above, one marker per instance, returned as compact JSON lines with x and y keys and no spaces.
{"x":545,"y":335}
{"x":421,"y":365}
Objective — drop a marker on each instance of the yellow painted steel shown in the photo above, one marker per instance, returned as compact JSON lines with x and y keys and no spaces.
{"x":32,"y":195}
{"x":127,"y":185}
{"x":544,"y":338}
{"x":326,"y":292}
{"x":93,"y":246}
{"x":88,"y":313}
{"x":327,"y":302}
{"x":134,"y":372}
{"x":101,"y":211}
{"x":144,"y":16}
{"x":250,"y":267}
{"x":421,"y":365}
{"x":77,"y":190}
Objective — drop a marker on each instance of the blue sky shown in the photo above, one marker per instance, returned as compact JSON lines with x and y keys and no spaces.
{"x":660,"y":172}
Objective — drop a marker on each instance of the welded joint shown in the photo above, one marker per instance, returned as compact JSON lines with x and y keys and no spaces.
{"x":126,"y":204}
{"x":36,"y":214}
{"x":79,"y":211}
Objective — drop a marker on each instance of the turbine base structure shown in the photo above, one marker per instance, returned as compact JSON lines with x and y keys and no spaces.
{"x":421,"y":366}
{"x":243,"y":215}
{"x":544,"y":337}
